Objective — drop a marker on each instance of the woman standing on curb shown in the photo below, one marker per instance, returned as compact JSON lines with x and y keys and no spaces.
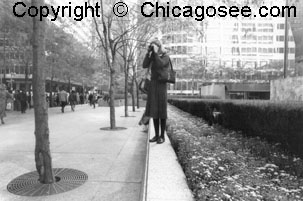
{"x":4,"y":96}
{"x":156,"y":106}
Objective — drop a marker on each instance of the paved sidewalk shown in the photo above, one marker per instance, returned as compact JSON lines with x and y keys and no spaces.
{"x":113,"y":160}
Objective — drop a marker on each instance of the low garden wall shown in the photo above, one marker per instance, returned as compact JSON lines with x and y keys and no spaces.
{"x":277,"y":122}
{"x":214,"y":90}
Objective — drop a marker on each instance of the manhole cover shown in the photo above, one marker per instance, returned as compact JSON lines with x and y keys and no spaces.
{"x":28,"y":184}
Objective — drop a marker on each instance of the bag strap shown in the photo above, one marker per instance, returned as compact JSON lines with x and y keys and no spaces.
{"x":171,"y":65}
{"x":147,"y":72}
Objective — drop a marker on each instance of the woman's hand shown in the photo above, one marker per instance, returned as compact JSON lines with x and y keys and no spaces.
{"x":156,"y":48}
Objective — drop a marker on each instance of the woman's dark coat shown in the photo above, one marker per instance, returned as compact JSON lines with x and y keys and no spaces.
{"x":156,"y":106}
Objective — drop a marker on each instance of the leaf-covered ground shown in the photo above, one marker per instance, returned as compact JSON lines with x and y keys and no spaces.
{"x":224,"y":165}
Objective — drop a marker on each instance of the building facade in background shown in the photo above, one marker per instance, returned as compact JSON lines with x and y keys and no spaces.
{"x":228,"y":49}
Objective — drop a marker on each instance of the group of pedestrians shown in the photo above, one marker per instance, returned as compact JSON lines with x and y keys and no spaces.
{"x":21,"y":101}
{"x":72,"y":99}
{"x":55,"y":101}
{"x":65,"y":98}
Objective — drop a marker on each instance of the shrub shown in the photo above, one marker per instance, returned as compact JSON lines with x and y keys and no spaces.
{"x":275,"y":121}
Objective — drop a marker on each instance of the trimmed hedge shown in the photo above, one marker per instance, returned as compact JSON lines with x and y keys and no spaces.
{"x":275,"y":121}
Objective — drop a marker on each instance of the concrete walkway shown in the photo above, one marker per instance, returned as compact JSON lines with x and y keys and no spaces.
{"x":121,"y":165}
{"x":113,"y":160}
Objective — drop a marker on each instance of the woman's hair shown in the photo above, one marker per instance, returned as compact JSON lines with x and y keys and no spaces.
{"x":159,"y":44}
{"x":156,"y":42}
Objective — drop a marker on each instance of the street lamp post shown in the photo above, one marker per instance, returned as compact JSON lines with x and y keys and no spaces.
{"x":286,"y":43}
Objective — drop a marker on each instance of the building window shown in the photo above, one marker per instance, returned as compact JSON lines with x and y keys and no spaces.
{"x":189,"y":49}
{"x":184,"y":50}
{"x":280,"y":26}
{"x":174,"y":48}
{"x":184,"y":38}
{"x":174,"y":61}
{"x":291,"y":50}
{"x":190,"y":38}
{"x":179,"y":39}
{"x":22,"y":69}
{"x":280,"y":38}
{"x":235,"y":51}
{"x":179,"y":49}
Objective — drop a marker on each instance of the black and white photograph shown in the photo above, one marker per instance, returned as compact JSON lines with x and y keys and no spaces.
{"x":159,"y":100}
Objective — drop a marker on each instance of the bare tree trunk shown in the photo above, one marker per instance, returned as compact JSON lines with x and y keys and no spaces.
{"x":134,"y":77}
{"x":69,"y":85}
{"x":126,"y":92}
{"x":112,"y":98}
{"x":42,"y":150}
{"x":4,"y":58}
{"x":138,"y":98}
{"x":26,"y":77}
{"x":133,"y":94}
{"x":51,"y":91}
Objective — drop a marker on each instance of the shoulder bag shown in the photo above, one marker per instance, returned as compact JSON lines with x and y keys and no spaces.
{"x":145,"y":82}
{"x":168,"y":75}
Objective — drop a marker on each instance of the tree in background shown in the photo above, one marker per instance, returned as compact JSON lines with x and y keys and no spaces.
{"x":110,"y":37}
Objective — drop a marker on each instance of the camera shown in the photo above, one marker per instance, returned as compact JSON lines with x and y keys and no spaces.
{"x":150,"y":48}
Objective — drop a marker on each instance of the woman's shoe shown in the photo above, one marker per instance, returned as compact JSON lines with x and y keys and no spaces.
{"x":154,"y":139}
{"x":160,"y":140}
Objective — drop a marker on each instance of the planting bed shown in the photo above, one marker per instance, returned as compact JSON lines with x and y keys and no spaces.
{"x":221,"y":164}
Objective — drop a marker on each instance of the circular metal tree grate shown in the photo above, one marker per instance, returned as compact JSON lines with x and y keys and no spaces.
{"x":114,"y":129}
{"x":28,"y":184}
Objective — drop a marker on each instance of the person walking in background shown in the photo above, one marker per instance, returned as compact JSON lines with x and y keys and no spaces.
{"x":28,"y":99}
{"x":90,"y":98}
{"x":72,"y":100}
{"x":57,"y":99}
{"x":4,"y":96}
{"x":23,"y":101}
{"x":95,"y":99}
{"x":17,"y":102}
{"x":156,"y":106}
{"x":81,"y":99}
{"x":78,"y":98}
{"x":62,"y":99}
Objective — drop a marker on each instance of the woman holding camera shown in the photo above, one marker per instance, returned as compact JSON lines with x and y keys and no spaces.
{"x":156,"y":106}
